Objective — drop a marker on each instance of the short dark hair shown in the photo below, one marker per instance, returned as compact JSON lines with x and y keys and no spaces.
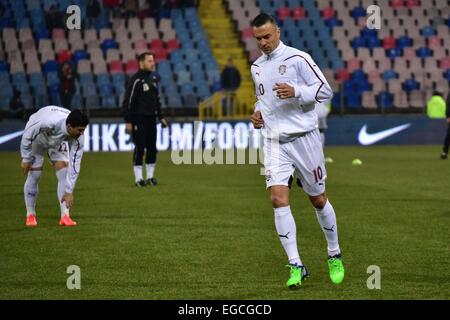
{"x":77,"y":119}
{"x":142,"y":56}
{"x":262,"y":19}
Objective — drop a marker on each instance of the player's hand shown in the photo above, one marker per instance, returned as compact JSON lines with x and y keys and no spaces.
{"x":128,"y":128}
{"x":257,"y":120}
{"x":284,"y":91}
{"x":26,"y":166}
{"x":164,"y":123}
{"x":448,"y":120}
{"x":68,"y":198}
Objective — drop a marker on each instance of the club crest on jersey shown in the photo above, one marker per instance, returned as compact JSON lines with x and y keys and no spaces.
{"x":282,"y":69}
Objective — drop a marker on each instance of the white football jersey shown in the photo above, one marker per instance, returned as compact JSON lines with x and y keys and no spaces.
{"x":285,"y":119}
{"x":47,"y":127}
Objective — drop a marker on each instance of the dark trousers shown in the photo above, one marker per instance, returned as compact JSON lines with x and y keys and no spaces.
{"x":144,"y":139}
{"x":66,"y":100}
{"x":447,"y":139}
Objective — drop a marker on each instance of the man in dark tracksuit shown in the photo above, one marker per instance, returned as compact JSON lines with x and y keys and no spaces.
{"x":444,"y":154}
{"x":142,"y":107}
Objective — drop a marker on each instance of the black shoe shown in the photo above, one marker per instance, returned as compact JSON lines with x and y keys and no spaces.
{"x":141,"y":183}
{"x":444,"y":155}
{"x":152,"y":181}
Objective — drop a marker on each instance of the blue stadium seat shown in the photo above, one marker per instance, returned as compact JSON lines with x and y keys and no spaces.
{"x":89,"y":90}
{"x":388,"y":75}
{"x":80,"y":55}
{"x":36,"y":78}
{"x":109,"y":102}
{"x":118,"y":79}
{"x":353,"y":101}
{"x":424,"y":52}
{"x":86,"y":78}
{"x":373,"y":43}
{"x":447,"y":74}
{"x":19,"y":77}
{"x":410,"y":85}
{"x":384,"y":100}
{"x":394,"y":53}
{"x":52,"y":78}
{"x":187,"y":89}
{"x":174,"y":101}
{"x":428,"y":31}
{"x":358,"y":12}
{"x":3,"y":66}
{"x":203,"y":92}
{"x":50,"y":66}
{"x":333,"y":22}
{"x":358,"y":42}
{"x":4,"y":78}
{"x":404,"y":41}
{"x":108,"y":44}
{"x":106,"y":90}
{"x":102,"y":79}
{"x":77,"y":102}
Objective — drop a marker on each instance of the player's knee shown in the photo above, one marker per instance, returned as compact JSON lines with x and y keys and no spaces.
{"x":58,"y":165}
{"x":319,"y":201}
{"x":279,"y":201}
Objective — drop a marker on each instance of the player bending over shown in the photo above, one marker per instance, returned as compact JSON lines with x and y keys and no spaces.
{"x":59,"y":133}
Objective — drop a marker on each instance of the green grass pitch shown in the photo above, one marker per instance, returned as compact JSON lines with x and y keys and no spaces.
{"x":207,"y":231}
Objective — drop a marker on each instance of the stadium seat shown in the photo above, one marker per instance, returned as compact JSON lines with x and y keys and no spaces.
{"x":132,"y":67}
{"x":64,"y":55}
{"x":298,"y":13}
{"x":115,"y":67}
{"x":384,"y":100}
{"x":424,"y":52}
{"x":410,"y":85}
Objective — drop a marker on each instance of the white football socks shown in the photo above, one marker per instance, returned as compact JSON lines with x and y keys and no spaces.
{"x":31,"y":190}
{"x":286,"y":229}
{"x":150,"y":170}
{"x":137,"y":173}
{"x":61,"y":174}
{"x":327,"y":220}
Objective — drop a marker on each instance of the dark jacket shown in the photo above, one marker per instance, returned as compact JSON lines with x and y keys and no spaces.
{"x":447,"y":103}
{"x":230,"y":78}
{"x":141,"y":97}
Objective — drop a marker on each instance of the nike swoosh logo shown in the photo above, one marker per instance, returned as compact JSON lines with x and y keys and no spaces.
{"x":366,"y":138}
{"x":10,"y":136}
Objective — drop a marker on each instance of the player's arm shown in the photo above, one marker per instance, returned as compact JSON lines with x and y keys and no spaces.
{"x":75,"y":156}
{"x":127,"y":103}
{"x":256,"y":117}
{"x":315,"y":87}
{"x":159,"y":111}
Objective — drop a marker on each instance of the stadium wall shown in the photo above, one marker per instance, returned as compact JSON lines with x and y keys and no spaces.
{"x":105,"y":135}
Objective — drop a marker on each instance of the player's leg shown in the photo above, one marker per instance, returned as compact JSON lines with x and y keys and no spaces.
{"x":278,"y":169}
{"x":138,"y":135}
{"x":31,"y":186}
{"x":59,"y":157}
{"x":444,"y":154}
{"x":310,"y":168}
{"x":150,"y":157}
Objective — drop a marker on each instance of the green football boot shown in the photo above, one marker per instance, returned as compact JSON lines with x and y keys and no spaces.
{"x":297,"y":274}
{"x":336,"y":268}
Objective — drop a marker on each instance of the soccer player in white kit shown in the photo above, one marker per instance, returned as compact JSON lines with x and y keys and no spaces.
{"x":288,"y":84}
{"x":59,"y":133}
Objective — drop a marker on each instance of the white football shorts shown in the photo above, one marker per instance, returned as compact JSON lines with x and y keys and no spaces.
{"x":60,"y":153}
{"x":304,"y":156}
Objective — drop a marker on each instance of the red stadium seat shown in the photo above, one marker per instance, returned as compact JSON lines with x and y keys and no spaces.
{"x":397,"y":4}
{"x":140,"y":45}
{"x":434,"y":41}
{"x":328,"y":13}
{"x":412,"y":3}
{"x":445,"y":63}
{"x":64,"y":55}
{"x":172,"y":45}
{"x":156,"y":44}
{"x":160,"y":54}
{"x":58,"y":33}
{"x":132,"y":67}
{"x":389,"y":42}
{"x":115,"y":67}
{"x":342,"y":75}
{"x":283,"y":13}
{"x":298,"y":13}
{"x":353,"y":64}
{"x":247,"y":33}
